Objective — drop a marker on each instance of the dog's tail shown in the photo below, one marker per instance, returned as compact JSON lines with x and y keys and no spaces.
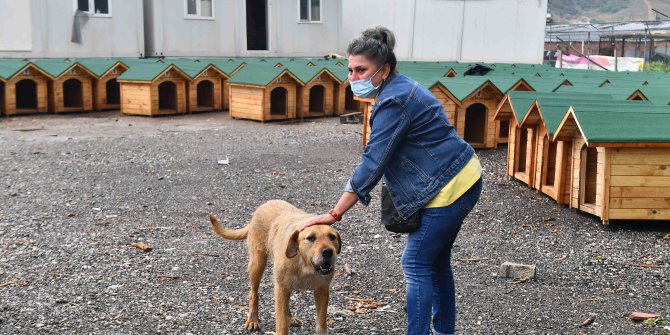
{"x":229,"y":234}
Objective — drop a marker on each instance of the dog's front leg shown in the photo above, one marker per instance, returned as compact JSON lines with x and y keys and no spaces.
{"x":282,"y":297}
{"x":321,"y":300}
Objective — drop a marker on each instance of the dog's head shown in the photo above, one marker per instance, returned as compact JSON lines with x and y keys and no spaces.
{"x":318,"y":246}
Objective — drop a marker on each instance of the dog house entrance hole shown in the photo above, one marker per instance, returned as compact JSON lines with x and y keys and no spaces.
{"x":167,"y":96}
{"x":113,"y":92}
{"x":206,"y":94}
{"x":523,"y":146}
{"x":72,"y":94}
{"x":550,"y":161}
{"x":278,"y":101}
{"x":26,"y":94}
{"x":503,"y":129}
{"x":590,"y":164}
{"x":349,"y":103}
{"x":475,"y":124}
{"x":316,"y":99}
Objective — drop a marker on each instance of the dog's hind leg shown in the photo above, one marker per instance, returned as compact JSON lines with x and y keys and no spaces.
{"x":257,"y":262}
{"x":321,"y":302}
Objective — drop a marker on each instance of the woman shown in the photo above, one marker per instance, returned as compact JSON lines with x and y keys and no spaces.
{"x":426,"y":166}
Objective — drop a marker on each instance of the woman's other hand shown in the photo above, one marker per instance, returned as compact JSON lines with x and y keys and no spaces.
{"x":319,"y":219}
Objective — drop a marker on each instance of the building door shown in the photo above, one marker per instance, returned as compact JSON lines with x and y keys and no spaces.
{"x":257,"y":24}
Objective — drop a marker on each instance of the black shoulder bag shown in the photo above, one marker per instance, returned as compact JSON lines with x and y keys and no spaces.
{"x":392,"y":220}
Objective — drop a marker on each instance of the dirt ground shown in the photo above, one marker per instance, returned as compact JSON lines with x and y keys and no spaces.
{"x":77,"y":190}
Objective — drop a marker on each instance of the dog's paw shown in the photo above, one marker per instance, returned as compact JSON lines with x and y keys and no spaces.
{"x":252,"y":324}
{"x":293,"y":322}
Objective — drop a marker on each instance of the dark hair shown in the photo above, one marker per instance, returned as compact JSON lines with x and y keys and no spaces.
{"x":377,"y":45}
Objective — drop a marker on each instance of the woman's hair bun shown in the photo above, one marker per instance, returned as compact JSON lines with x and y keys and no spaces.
{"x":381,"y":34}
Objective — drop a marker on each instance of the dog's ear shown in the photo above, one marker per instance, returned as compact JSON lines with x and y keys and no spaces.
{"x":339,"y":243}
{"x":292,"y":247}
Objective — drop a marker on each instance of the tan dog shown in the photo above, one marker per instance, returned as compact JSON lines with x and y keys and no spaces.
{"x":302,"y":260}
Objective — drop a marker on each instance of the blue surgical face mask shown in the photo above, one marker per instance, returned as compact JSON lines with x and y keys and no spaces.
{"x":363,"y":88}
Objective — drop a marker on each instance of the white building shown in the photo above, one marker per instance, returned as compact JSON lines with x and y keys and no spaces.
{"x":506,"y":31}
{"x":241,"y":28}
{"x":52,"y":28}
{"x":464,"y":30}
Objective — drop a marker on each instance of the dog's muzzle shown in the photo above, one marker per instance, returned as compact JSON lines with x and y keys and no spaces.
{"x":327,"y":264}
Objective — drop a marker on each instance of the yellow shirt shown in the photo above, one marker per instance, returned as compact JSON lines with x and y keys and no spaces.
{"x":457,"y":186}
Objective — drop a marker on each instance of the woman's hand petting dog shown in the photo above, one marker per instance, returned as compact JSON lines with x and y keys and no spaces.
{"x":319,"y":219}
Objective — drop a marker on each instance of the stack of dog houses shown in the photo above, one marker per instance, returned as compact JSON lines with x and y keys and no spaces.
{"x":602,"y":156}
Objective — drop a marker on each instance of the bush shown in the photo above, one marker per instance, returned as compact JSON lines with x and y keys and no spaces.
{"x":657,"y":67}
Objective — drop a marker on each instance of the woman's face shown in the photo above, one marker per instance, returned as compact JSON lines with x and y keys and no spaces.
{"x":360,"y":67}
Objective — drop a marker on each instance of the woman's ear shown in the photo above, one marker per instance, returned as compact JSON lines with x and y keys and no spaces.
{"x":386,"y":71}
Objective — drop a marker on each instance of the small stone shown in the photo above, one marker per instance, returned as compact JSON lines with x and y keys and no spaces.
{"x":517,"y":271}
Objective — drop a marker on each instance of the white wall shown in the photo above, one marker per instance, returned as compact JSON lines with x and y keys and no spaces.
{"x":170,"y":33}
{"x":462,"y":30}
{"x":43,"y":28}
{"x":465,"y":30}
{"x":15,"y":26}
{"x":506,"y":31}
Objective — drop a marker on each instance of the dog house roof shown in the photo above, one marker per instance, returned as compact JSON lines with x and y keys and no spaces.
{"x":9,"y":68}
{"x":259,"y":75}
{"x":622,"y":124}
{"x":99,"y":66}
{"x":148,"y":72}
{"x":57,"y":67}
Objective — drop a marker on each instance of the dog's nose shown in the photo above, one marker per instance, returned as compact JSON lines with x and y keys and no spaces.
{"x":327,"y":253}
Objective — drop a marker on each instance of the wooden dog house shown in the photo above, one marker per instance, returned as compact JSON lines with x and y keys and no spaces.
{"x":24,"y":89}
{"x":229,"y":67}
{"x":475,"y":120}
{"x":367,"y":105}
{"x":344,"y":101}
{"x":153,"y":89}
{"x":619,"y":175}
{"x":263,"y":93}
{"x":106,"y":88}
{"x":71,"y":89}
{"x":205,"y":89}
{"x":316,"y":96}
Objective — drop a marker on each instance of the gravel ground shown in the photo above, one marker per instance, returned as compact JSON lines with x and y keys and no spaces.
{"x":77,"y":190}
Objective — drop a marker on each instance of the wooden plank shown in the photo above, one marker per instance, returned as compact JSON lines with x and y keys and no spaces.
{"x":250,"y":102}
{"x":640,"y":170}
{"x":640,"y":214}
{"x":640,"y":203}
{"x":662,"y":157}
{"x":639,"y":192}
{"x":645,"y":181}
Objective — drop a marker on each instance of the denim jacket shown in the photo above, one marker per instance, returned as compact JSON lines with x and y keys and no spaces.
{"x":412,"y":145}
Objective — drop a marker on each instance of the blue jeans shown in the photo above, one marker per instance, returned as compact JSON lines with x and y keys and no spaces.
{"x":426,"y":263}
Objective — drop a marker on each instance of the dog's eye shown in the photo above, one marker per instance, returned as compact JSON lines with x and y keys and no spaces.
{"x":311,"y":238}
{"x":332,"y":237}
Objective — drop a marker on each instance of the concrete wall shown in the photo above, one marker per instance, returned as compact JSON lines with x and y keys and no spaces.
{"x":43,"y":28}
{"x":464,"y":30}
{"x":170,"y":33}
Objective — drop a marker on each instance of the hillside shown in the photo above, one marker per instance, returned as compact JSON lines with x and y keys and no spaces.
{"x":600,"y":11}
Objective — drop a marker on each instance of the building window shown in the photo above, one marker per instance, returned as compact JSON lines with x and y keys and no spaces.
{"x":95,"y":7}
{"x":310,"y":10}
{"x":200,"y":9}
